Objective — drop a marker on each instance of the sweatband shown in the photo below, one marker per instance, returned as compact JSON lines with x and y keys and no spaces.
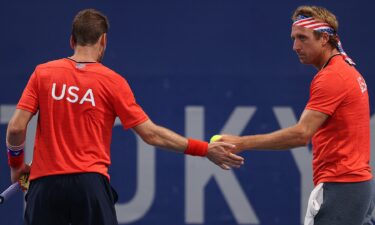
{"x":15,"y":157}
{"x":196,"y":148}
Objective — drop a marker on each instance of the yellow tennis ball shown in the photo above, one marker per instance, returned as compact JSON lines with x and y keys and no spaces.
{"x":215,"y":138}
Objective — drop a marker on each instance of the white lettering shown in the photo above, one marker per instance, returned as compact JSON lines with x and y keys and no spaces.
{"x":362,"y":84}
{"x":70,"y":91}
{"x":86,"y":99}
{"x":54,"y":92}
{"x":73,"y":96}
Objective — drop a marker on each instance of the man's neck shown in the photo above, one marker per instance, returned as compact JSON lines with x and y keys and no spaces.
{"x":85,"y":54}
{"x":323,"y":59}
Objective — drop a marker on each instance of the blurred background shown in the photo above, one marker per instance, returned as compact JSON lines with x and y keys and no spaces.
{"x":199,"y":68}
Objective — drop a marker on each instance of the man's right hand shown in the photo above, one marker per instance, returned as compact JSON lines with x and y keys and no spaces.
{"x":235,"y":140}
{"x":15,"y":174}
{"x":220,"y":154}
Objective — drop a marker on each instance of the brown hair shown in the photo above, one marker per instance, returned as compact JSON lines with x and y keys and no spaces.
{"x":321,"y":14}
{"x":88,"y":26}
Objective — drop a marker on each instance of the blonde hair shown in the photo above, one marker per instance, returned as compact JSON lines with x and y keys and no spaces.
{"x":318,"y":13}
{"x":321,"y":14}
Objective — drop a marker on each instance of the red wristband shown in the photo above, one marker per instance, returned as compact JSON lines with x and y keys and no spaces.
{"x":196,"y":147}
{"x":16,"y":158}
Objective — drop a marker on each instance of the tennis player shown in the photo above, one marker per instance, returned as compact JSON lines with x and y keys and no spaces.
{"x":336,"y":118}
{"x":78,"y":100}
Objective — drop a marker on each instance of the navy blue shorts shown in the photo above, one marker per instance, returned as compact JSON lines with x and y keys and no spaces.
{"x":76,"y":199}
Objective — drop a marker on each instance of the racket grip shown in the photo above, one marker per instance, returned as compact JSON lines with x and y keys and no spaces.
{"x":9,"y":192}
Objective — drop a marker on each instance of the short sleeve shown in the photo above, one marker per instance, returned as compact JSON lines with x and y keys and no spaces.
{"x":30,"y":97}
{"x":327,"y":91}
{"x":126,"y":107}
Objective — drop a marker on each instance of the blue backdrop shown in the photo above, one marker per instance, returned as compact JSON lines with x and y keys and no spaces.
{"x":198,"y":68}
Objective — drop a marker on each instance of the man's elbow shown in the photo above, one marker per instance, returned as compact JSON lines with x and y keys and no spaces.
{"x":148,"y":131}
{"x":150,"y":138}
{"x":303,"y":140}
{"x":15,"y":128}
{"x":303,"y":137}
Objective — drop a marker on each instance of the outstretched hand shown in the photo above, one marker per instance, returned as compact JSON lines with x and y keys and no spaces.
{"x":221,"y":154}
{"x":234,"y":140}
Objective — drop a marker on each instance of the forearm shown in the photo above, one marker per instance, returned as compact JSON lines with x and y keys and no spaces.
{"x":164,"y":138}
{"x":15,"y":135}
{"x":279,"y":140}
{"x":167,"y":139}
{"x":15,"y":141}
{"x":217,"y":152}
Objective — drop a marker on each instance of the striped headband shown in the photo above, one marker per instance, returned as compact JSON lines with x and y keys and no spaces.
{"x":322,"y":27}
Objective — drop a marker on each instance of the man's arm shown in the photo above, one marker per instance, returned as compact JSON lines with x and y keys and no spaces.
{"x":219,"y":152}
{"x":17,"y":126}
{"x":295,"y":136}
{"x":16,"y":135}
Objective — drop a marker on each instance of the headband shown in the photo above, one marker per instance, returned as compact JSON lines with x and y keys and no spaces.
{"x":322,"y":27}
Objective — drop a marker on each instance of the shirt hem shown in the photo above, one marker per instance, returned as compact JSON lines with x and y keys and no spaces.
{"x":319,"y":110}
{"x":136,"y":123}
{"x":34,"y":177}
{"x":343,"y":179}
{"x":26,"y":108}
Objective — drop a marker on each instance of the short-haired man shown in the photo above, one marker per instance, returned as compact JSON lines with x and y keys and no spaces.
{"x":78,"y":100}
{"x":336,"y":118}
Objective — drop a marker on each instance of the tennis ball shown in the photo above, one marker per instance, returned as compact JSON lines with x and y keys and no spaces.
{"x":215,"y":138}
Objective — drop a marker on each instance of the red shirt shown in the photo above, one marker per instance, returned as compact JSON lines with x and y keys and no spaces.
{"x":78,"y":104}
{"x":341,"y":146}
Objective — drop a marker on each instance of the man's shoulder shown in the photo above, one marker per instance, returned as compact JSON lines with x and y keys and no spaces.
{"x":341,"y":73}
{"x":52,"y":63}
{"x":339,"y":67}
{"x":328,"y":73}
{"x":66,"y":63}
{"x":108,"y":72}
{"x":329,"y":79}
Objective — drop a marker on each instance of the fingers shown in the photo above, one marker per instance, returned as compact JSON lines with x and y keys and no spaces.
{"x":224,"y":167}
{"x":225,"y":145}
{"x":235,"y":157}
{"x":27,"y":168}
{"x":228,"y":164}
{"x":233,"y":160}
{"x":225,"y":159}
{"x":229,"y":147}
{"x":16,"y":173}
{"x":221,"y":154}
{"x":233,"y":163}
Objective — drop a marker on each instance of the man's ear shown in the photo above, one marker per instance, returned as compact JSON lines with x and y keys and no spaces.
{"x":103,"y":40}
{"x":324,"y":39}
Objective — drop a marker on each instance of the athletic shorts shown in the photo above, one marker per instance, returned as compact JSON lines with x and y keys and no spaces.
{"x":334,"y":203}
{"x":72,"y":199}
